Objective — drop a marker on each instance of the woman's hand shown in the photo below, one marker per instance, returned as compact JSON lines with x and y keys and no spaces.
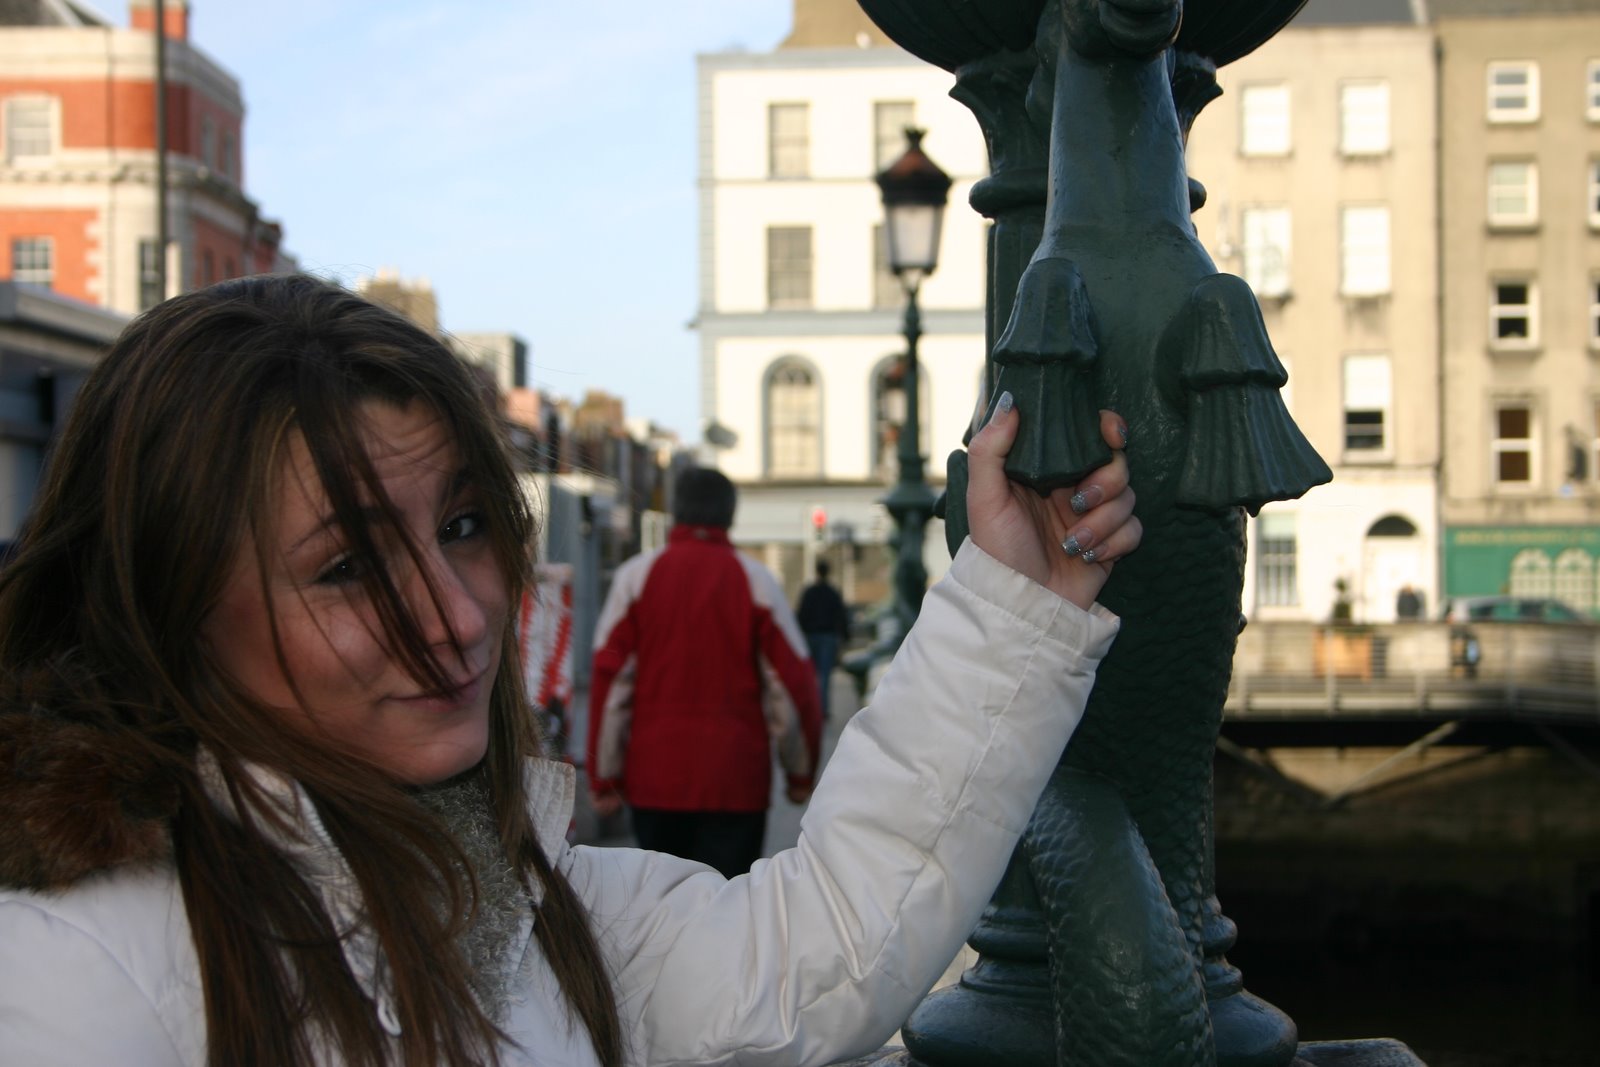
{"x":1068,"y":541}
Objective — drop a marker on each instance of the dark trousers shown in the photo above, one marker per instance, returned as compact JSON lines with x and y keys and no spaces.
{"x":730,"y":841}
{"x":824,"y":649}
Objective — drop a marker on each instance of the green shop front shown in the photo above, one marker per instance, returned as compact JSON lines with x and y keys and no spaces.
{"x":1532,"y":561}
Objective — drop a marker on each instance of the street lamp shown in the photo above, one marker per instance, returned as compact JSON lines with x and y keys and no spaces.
{"x":914,"y":192}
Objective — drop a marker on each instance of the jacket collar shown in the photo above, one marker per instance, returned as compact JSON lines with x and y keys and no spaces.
{"x":550,"y":787}
{"x":682,"y":533}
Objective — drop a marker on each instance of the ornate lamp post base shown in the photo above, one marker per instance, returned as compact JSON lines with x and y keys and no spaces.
{"x":1375,"y":1052}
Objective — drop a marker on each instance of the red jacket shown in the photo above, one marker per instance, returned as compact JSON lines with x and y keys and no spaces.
{"x":699,"y":668}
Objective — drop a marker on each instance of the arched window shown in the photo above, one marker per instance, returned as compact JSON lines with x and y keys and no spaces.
{"x":889,"y":414}
{"x":1392,"y":526}
{"x":1574,"y":584}
{"x":1530,"y":573}
{"x":794,"y":420}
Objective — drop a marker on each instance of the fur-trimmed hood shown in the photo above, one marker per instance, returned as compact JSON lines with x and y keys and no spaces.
{"x":77,"y":798}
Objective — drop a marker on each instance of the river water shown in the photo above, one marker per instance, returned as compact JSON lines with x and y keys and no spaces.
{"x":1455,"y":1007}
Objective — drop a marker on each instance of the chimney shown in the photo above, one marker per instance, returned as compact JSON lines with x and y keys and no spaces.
{"x":142,"y":16}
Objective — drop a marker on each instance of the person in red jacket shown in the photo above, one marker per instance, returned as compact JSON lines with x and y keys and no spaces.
{"x":700,"y":670}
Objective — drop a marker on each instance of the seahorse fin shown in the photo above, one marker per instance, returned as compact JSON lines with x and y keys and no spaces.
{"x":1244,"y":449}
{"x":1045,"y":359}
{"x":956,"y":527}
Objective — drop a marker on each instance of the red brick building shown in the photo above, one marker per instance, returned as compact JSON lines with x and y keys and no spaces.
{"x":78,"y":158}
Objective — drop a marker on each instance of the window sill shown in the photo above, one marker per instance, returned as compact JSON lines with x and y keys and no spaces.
{"x":1531,"y":348}
{"x":1512,"y":226}
{"x":1361,"y":458}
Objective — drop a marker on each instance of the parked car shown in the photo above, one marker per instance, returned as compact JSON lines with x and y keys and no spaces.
{"x":1511,"y":609}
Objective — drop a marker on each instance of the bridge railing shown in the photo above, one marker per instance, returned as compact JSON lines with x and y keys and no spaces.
{"x":1426,"y":668}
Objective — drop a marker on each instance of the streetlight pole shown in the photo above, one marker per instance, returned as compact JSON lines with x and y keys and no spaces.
{"x":915,"y":192}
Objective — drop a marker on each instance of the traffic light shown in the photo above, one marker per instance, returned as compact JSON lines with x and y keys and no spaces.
{"x":819,"y":523}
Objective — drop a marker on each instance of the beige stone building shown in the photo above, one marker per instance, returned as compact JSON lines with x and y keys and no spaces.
{"x":1319,"y":163}
{"x":1520,"y":274}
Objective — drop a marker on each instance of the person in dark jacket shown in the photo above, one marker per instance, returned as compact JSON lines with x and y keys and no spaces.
{"x":825,"y":621}
{"x":698,"y":666}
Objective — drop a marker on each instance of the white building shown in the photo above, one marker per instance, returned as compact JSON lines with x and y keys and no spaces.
{"x":800,"y":320}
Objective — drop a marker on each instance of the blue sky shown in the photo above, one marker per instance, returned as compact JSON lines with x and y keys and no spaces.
{"x":535,"y":159}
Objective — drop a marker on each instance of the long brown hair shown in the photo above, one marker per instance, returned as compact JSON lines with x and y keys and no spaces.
{"x":165,"y":468}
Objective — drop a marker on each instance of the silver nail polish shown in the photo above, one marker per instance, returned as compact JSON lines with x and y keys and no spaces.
{"x":1070,"y":545}
{"x":1088,"y":555}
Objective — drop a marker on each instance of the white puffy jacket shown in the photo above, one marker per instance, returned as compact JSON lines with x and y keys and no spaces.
{"x":816,"y":955}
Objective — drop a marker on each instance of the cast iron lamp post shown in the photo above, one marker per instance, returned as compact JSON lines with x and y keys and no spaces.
{"x":914,"y":191}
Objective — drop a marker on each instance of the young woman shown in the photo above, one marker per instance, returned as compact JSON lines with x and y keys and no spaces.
{"x":269,"y":791}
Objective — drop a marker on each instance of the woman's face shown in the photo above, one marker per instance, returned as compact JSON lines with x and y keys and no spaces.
{"x":351,"y":689}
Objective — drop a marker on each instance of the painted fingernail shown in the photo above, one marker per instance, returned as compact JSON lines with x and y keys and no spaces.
{"x":1077,"y":540}
{"x":1002,"y":405}
{"x":1088,"y":555}
{"x":1122,"y":432}
{"x":1086,"y":498}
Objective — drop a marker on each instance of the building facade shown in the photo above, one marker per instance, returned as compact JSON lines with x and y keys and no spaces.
{"x":79,"y":207}
{"x":1320,"y":166}
{"x":1520,"y":271}
{"x":1411,"y":188}
{"x":800,"y":320}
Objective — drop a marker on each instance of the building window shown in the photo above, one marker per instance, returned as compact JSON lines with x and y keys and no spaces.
{"x":1364,"y":118}
{"x":1364,"y":237}
{"x":889,"y":121}
{"x":208,"y":142}
{"x":30,"y":128}
{"x":1513,"y":92}
{"x":1594,"y":193}
{"x":1594,"y":312}
{"x":149,"y":273}
{"x":1594,"y":446}
{"x":887,"y":291}
{"x":1265,"y":243}
{"x":1276,"y":582}
{"x":1512,"y":446}
{"x":1513,"y":193}
{"x":1591,"y":91}
{"x":1368,"y":395}
{"x":1264,"y":125}
{"x":794,"y":421}
{"x":1530,"y":574}
{"x":788,"y":140}
{"x":1574,"y":579}
{"x":1512,"y":314}
{"x":33,"y":261}
{"x":230,"y":155}
{"x":788,"y":267}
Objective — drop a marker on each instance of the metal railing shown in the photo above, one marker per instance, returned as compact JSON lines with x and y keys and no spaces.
{"x":1536,"y":671}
